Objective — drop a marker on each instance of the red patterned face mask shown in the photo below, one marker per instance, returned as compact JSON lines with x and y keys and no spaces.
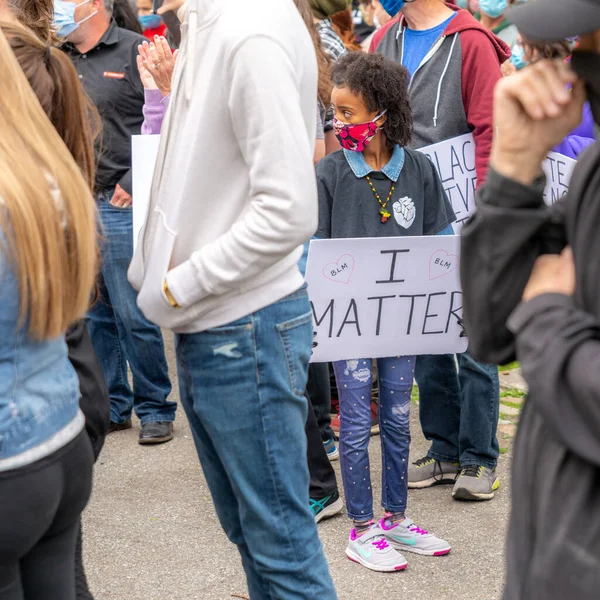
{"x":356,"y":137}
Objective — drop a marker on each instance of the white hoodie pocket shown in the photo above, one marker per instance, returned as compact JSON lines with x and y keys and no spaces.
{"x":152,"y":300}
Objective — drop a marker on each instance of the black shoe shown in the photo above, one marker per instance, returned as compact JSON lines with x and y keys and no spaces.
{"x":156,"y":433}
{"x":119,"y":426}
{"x":326,"y":507}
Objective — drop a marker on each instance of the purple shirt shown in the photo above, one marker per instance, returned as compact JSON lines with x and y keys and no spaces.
{"x":580,"y":138}
{"x":155,"y":107}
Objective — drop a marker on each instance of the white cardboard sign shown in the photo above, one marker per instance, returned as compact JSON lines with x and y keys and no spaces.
{"x":144,"y":150}
{"x":558,"y":169}
{"x":454,"y":160}
{"x":379,"y":297}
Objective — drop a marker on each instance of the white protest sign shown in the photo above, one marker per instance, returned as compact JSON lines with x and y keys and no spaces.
{"x":379,"y":297}
{"x":454,"y":160}
{"x":558,"y":170}
{"x":144,"y":150}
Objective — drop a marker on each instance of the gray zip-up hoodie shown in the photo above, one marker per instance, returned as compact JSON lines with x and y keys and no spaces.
{"x":451,"y":92}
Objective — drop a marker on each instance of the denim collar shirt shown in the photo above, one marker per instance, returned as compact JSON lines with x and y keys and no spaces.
{"x":349,"y":207}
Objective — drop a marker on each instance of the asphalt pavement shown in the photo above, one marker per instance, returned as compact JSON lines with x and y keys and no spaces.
{"x":151,"y":533}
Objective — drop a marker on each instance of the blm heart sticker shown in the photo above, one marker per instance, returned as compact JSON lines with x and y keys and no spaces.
{"x":341,"y":270}
{"x":441,"y":264}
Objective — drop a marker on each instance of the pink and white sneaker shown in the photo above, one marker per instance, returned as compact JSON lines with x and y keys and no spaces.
{"x":406,"y":536}
{"x":372,"y":550}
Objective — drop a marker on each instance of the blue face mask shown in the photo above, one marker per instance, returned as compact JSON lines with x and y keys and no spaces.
{"x":64,"y":17}
{"x":392,"y":7}
{"x":518,"y":57}
{"x":150,"y":21}
{"x":493,"y":8}
{"x":462,"y":3}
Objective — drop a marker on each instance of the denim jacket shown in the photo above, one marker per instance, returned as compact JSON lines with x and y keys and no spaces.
{"x":39,"y":389}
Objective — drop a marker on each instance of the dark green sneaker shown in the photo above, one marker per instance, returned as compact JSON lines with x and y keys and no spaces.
{"x":476,"y":483}
{"x":427,"y":472}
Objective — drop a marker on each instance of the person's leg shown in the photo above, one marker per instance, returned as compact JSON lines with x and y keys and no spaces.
{"x":319,"y":391}
{"x":48,"y":569}
{"x":247,"y":380}
{"x":10,"y":582}
{"x":439,"y":404}
{"x":82,"y":589}
{"x":322,"y":475}
{"x":480,"y":390}
{"x":223,"y":494}
{"x":40,"y":507}
{"x":102,"y":328}
{"x":142,"y":341}
{"x":395,"y":376}
{"x":354,"y":381}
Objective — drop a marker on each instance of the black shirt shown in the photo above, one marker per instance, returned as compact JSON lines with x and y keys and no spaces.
{"x":111,"y":78}
{"x":348,"y":207}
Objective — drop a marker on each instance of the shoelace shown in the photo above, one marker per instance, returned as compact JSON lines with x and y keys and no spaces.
{"x":416,"y":529}
{"x":318,"y":505}
{"x":381,"y":543}
{"x":471,"y":471}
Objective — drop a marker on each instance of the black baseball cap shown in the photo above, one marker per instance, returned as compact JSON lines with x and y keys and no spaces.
{"x":555,"y":20}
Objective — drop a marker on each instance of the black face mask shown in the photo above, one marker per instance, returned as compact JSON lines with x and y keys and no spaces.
{"x":587,"y":66}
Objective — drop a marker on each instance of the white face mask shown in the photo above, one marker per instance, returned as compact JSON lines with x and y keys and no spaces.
{"x":64,"y":17}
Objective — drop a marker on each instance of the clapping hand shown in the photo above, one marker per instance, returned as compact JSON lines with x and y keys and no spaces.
{"x":156,"y":63}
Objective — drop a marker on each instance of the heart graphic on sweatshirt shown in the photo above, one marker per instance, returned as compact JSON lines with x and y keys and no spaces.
{"x":341,"y":270}
{"x":441,"y":263}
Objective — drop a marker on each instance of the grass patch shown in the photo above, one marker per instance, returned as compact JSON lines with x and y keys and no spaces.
{"x":511,"y":404}
{"x":510,"y":366}
{"x":414,"y":395}
{"x":504,"y":450}
{"x":513,"y":393}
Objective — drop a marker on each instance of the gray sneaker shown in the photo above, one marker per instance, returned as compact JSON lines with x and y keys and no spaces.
{"x":406,"y":536}
{"x":371,"y":550}
{"x":427,"y":472}
{"x":476,"y":483}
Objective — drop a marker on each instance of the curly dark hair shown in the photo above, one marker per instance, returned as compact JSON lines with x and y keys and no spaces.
{"x":382,"y":85}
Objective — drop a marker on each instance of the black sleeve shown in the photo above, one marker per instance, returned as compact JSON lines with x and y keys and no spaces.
{"x":94,"y":401}
{"x":136,"y":79}
{"x":499,"y":245}
{"x":126,"y":182}
{"x":437,"y":210}
{"x":325,"y":203}
{"x":559,"y":349}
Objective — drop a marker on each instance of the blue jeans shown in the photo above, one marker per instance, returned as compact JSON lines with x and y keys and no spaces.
{"x":242,"y":387}
{"x":121,"y":334}
{"x":355,"y":381}
{"x":459,"y":410}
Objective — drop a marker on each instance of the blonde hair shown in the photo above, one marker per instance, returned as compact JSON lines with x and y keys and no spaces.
{"x":47,"y":212}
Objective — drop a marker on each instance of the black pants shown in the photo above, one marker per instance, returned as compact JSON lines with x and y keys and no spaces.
{"x":95,"y":404}
{"x":40,"y":507}
{"x":318,"y":388}
{"x":322,"y":476}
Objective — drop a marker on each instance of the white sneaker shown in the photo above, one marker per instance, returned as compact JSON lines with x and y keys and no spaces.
{"x":406,"y":536}
{"x":372,"y":550}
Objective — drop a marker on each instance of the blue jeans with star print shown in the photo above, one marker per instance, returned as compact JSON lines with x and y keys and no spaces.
{"x":354,"y":380}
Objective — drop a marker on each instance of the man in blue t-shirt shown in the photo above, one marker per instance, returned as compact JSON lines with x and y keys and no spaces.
{"x":454,"y":65}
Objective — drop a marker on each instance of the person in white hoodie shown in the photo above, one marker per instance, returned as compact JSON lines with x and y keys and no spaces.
{"x":233,"y":199}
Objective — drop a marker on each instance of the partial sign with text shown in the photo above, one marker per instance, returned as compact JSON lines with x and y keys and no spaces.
{"x":454,"y":160}
{"x":378,"y":297}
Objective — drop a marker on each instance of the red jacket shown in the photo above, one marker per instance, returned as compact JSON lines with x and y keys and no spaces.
{"x":452,"y":93}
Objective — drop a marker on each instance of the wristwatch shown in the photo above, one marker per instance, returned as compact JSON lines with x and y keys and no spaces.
{"x":169,"y":296}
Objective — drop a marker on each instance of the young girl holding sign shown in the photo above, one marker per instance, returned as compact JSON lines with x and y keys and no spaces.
{"x":375,"y":187}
